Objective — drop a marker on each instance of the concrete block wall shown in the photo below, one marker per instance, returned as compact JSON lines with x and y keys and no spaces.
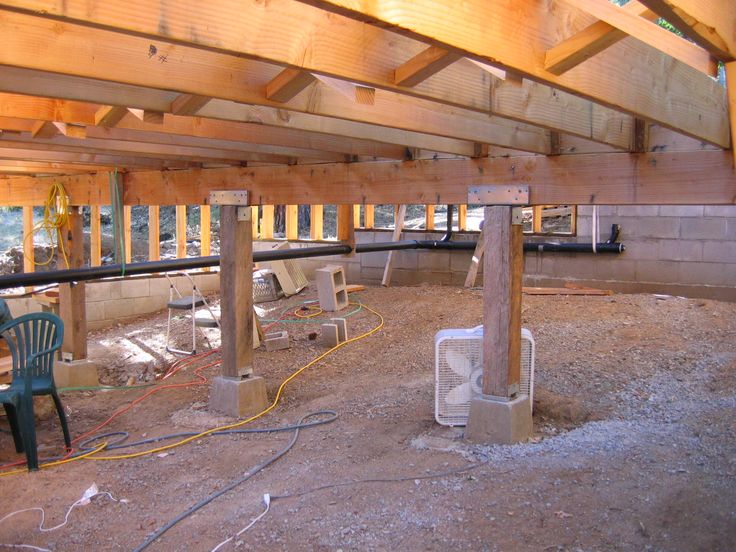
{"x":109,"y":302}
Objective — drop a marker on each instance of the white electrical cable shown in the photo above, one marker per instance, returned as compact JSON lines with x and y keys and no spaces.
{"x":267,"y":501}
{"x":88,"y":494}
{"x":595,"y":229}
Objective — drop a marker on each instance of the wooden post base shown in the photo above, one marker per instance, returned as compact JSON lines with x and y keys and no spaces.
{"x":499,"y":421}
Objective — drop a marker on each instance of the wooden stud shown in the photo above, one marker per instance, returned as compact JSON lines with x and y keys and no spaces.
{"x":181,"y":231}
{"x":236,"y":292}
{"x":292,"y":222}
{"x":462,"y":217}
{"x":45,"y":129}
{"x":72,"y":303}
{"x":502,"y":273}
{"x":95,"y":236}
{"x":154,"y":233}
{"x":287,"y":84}
{"x":640,"y":137}
{"x":205,"y":230}
{"x":422,"y":66}
{"x":267,"y":222}
{"x":429,"y":217}
{"x":731,"y":90}
{"x":148,"y":116}
{"x":188,"y":104}
{"x":369,"y":216}
{"x":128,"y":232}
{"x":356,"y":216}
{"x":109,"y":115}
{"x":29,"y":250}
{"x":400,"y":215}
{"x":537,"y":219}
{"x":254,"y":222}
{"x":345,"y":228}
{"x":316,"y":222}
{"x":476,"y":259}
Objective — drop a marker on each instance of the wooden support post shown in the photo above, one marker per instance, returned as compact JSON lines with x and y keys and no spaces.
{"x":254,"y":222}
{"x":205,"y":230}
{"x":462,"y":217}
{"x":356,"y":216}
{"x":181,"y":231}
{"x":731,"y":91}
{"x":502,"y":274}
{"x":537,"y":219}
{"x":154,"y":233}
{"x":369,"y":217}
{"x":476,"y":260}
{"x":29,"y":252}
{"x":127,"y":231}
{"x":267,"y":222}
{"x":292,"y":222}
{"x":400,"y":215}
{"x":345,"y":228}
{"x":316,"y":222}
{"x":95,"y":236}
{"x":236,"y":292}
{"x":72,"y":301}
{"x":429,"y":217}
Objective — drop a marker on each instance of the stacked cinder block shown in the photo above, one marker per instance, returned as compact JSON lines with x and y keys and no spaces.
{"x":331,"y":288}
{"x":334,"y":332}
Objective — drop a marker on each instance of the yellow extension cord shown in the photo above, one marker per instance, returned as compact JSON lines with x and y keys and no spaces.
{"x":55,"y":217}
{"x":277,"y":398}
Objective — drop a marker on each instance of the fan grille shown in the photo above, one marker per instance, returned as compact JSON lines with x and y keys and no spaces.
{"x":469,"y":344}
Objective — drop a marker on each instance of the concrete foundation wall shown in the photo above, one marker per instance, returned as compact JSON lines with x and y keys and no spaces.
{"x":119,"y":301}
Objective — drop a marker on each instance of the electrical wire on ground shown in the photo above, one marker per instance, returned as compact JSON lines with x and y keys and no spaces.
{"x":240,"y":480}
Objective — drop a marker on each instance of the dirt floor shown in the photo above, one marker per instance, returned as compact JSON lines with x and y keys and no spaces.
{"x":634,"y":449}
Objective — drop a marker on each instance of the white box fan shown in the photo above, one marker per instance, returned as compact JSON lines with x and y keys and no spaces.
{"x":459,"y":372}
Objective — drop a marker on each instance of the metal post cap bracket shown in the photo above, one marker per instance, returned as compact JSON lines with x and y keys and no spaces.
{"x":498,"y":195}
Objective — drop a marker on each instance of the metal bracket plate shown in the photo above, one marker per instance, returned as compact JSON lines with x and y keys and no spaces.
{"x":229,"y":197}
{"x":498,"y":195}
{"x":244,"y":214}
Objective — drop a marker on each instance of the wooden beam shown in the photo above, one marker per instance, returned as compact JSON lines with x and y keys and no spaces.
{"x":291,"y":226}
{"x":110,"y":115}
{"x":128,"y":232}
{"x":154,"y":233}
{"x":669,"y":178}
{"x":473,"y":30}
{"x":29,"y":251}
{"x":649,"y":33}
{"x":181,"y":231}
{"x":45,"y":129}
{"x":423,"y":65}
{"x":590,"y":41}
{"x":710,"y":24}
{"x":72,"y":304}
{"x":333,"y":51}
{"x":502,"y":273}
{"x":399,"y":218}
{"x":147,"y":116}
{"x":267,"y":222}
{"x":95,"y":236}
{"x":236,"y":292}
{"x":369,"y":216}
{"x":188,"y":104}
{"x":316,"y":222}
{"x":287,"y":84}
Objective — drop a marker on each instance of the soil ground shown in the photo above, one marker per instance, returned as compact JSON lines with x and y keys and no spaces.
{"x":634,"y":446}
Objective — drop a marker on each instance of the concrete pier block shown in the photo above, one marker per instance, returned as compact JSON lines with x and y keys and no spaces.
{"x":277,"y":341}
{"x":497,"y":421}
{"x":75,"y":373}
{"x":238,"y":397}
{"x":342,"y":328}
{"x":330,"y":335}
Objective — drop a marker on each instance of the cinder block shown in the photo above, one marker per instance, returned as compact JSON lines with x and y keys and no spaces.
{"x":720,"y":211}
{"x":703,"y":228}
{"x":95,"y":311}
{"x":731,"y":229}
{"x":652,"y":227}
{"x":375,"y":259}
{"x":342,"y":328}
{"x":719,"y":252}
{"x":681,"y":211}
{"x":658,"y":271}
{"x":102,"y":291}
{"x":433,"y":261}
{"x":330,"y":335}
{"x":277,"y":341}
{"x":460,"y":261}
{"x":238,"y":397}
{"x":118,"y":308}
{"x":638,"y":210}
{"x":136,"y":287}
{"x":331,"y":287}
{"x":77,"y":373}
{"x":642,"y":249}
{"x":710,"y":274}
{"x":158,"y":286}
{"x":680,"y":250}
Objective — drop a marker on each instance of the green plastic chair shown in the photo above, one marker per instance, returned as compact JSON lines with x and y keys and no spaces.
{"x":33,"y":340}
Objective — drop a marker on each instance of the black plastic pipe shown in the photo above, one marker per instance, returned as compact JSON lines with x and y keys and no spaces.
{"x":172,"y":265}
